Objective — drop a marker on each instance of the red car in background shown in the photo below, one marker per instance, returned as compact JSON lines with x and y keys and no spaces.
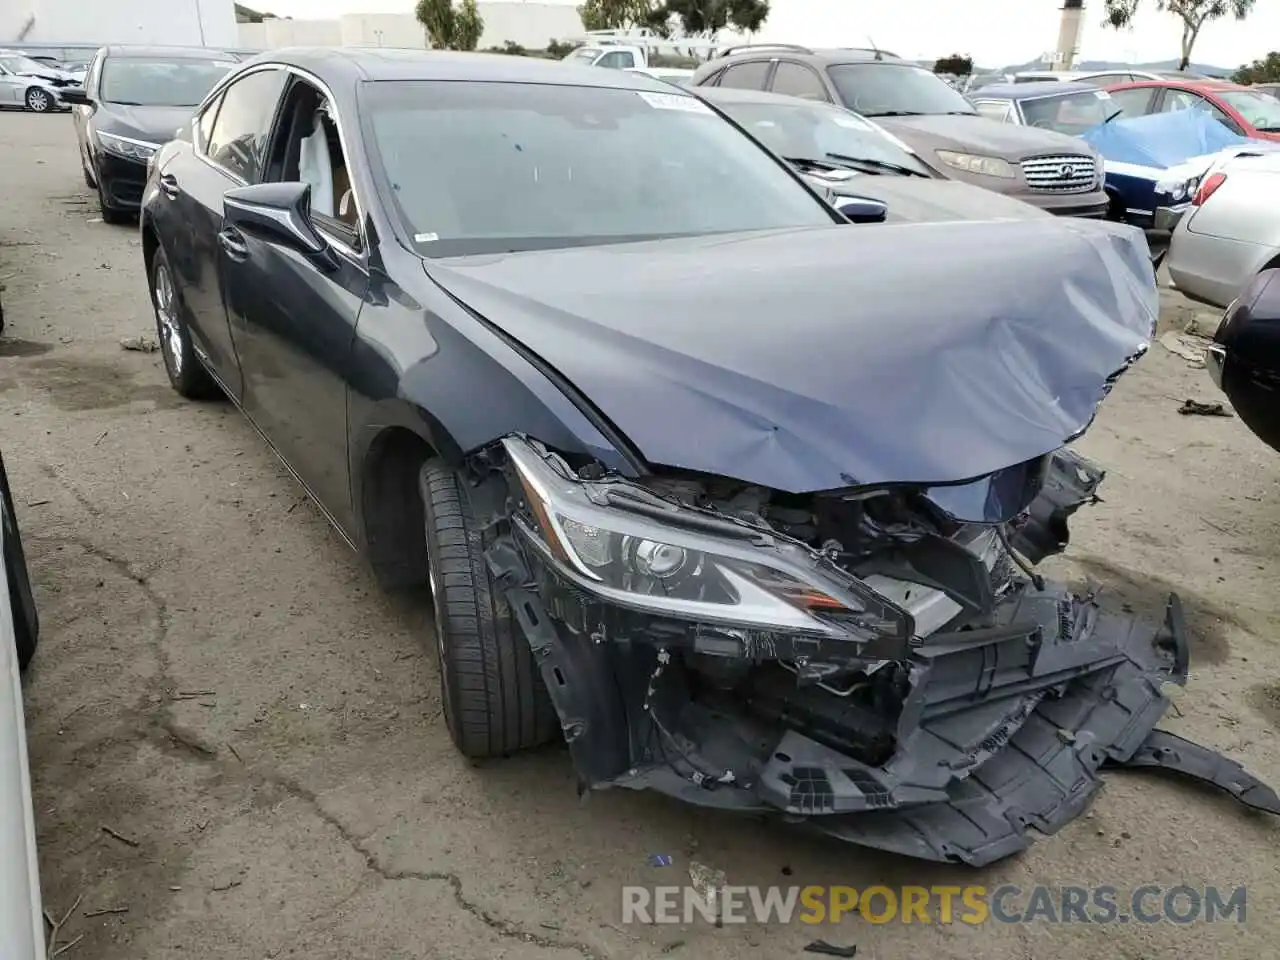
{"x":1246,"y":111}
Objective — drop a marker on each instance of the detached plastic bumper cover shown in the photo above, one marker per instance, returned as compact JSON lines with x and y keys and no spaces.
{"x":1003,"y":736}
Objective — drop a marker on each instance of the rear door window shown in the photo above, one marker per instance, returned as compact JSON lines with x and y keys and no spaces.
{"x":1000,"y":110}
{"x":238,"y":138}
{"x":1136,"y":101}
{"x":797,"y":80}
{"x":746,"y":76}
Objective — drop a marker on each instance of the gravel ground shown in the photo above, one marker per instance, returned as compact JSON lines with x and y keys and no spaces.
{"x":223,"y":687}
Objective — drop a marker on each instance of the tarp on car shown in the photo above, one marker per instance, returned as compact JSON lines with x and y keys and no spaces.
{"x":1163,"y":140}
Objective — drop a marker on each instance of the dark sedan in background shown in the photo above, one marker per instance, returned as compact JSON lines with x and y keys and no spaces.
{"x":1244,"y":360}
{"x":133,"y":101}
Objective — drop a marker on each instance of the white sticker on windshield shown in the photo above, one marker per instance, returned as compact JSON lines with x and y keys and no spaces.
{"x":1102,"y":95}
{"x":426,"y":237}
{"x":674,"y":101}
{"x":853,"y":123}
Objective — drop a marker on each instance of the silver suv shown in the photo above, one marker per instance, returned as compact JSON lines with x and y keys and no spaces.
{"x":1056,"y":172}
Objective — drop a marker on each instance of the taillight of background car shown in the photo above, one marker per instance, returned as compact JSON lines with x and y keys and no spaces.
{"x":1211,"y":184}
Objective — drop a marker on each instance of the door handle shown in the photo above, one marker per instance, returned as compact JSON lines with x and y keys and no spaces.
{"x":169,"y":184}
{"x":231,"y":241}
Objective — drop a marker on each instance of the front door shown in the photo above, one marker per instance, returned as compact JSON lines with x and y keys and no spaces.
{"x":293,"y":317}
{"x":230,"y":138}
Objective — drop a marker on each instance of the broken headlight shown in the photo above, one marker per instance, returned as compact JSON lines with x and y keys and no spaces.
{"x":642,"y":552}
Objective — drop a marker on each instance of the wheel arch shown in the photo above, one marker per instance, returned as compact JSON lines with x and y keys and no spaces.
{"x":388,"y":451}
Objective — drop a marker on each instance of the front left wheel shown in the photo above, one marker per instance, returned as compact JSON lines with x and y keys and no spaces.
{"x":38,"y":100}
{"x":495,"y":703}
{"x":187,"y":374}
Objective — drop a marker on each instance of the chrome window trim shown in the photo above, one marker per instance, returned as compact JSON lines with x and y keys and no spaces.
{"x":352,"y":253}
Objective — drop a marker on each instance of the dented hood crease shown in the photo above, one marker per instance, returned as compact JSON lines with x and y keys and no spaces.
{"x":814,"y":359}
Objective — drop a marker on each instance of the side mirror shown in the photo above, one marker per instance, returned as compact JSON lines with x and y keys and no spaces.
{"x":862,"y":209}
{"x":282,"y":210}
{"x":77,"y":97}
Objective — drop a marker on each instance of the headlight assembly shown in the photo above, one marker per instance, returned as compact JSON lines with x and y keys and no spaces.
{"x":127,"y":147}
{"x":975,"y":163}
{"x":636,"y":550}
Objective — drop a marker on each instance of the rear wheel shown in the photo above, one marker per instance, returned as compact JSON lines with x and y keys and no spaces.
{"x":187,"y":374}
{"x":38,"y":100}
{"x":494,"y":701}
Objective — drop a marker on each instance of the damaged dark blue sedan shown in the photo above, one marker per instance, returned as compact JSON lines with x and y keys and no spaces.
{"x":741,"y":499}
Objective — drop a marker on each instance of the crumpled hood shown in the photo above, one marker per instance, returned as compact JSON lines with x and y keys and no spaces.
{"x":975,"y":134}
{"x":815,"y":359}
{"x":153,"y":124}
{"x":920,"y":200}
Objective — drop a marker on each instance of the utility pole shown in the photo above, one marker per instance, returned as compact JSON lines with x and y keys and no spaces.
{"x":1069,"y":34}
{"x":200,"y":22}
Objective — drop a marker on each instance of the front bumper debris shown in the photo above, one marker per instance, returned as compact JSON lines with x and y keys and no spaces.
{"x":984,"y":734}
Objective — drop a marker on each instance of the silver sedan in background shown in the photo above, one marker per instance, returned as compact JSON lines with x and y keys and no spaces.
{"x":1232,"y":231}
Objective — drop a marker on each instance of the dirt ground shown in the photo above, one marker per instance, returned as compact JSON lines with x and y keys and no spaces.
{"x":222,"y":687}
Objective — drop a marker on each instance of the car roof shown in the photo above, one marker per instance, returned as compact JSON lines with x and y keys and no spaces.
{"x":738,"y":95}
{"x":1203,"y":85}
{"x":1030,"y":91}
{"x":390,"y":63}
{"x":142,"y":50}
{"x":830,"y":56}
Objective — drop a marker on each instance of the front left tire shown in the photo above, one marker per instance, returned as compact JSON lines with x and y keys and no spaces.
{"x":38,"y":100}
{"x":495,"y":703}
{"x":187,"y":374}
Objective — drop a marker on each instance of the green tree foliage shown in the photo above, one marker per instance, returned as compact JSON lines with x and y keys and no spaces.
{"x":1194,"y":14}
{"x":707,"y":17}
{"x":1266,"y":70}
{"x":626,"y":15}
{"x":450,"y":27}
{"x":957,"y":65}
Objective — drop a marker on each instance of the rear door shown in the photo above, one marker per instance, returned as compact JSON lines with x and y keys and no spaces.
{"x":750,"y":75}
{"x":1136,"y":101}
{"x":230,"y":141}
{"x":293,"y":317}
{"x":798,"y":80}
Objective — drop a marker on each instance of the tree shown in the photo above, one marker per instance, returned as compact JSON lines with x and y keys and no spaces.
{"x":625,"y":15}
{"x":450,"y":27}
{"x":1194,"y":14}
{"x":956,"y":65}
{"x":1266,"y":70}
{"x":709,"y":17}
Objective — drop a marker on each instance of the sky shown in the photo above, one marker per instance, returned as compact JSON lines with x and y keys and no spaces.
{"x":993,"y":32}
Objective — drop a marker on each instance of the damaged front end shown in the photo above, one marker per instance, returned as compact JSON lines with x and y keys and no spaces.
{"x":861,"y":659}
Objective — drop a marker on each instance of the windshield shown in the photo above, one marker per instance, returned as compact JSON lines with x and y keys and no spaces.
{"x":1261,"y":110}
{"x":16,"y":64}
{"x":815,"y":131}
{"x":583,"y":54}
{"x":877,"y":89}
{"x":146,"y":82}
{"x":492,"y":167}
{"x":1073,"y":114}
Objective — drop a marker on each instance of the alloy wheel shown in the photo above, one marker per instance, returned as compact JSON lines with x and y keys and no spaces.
{"x":38,"y":101}
{"x":167,"y":319}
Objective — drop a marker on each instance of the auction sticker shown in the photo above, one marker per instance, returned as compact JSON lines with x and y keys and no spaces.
{"x":673,"y":101}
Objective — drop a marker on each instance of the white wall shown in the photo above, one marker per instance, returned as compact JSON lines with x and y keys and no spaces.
{"x":273,"y":34}
{"x":184,"y":22}
{"x":529,"y":24}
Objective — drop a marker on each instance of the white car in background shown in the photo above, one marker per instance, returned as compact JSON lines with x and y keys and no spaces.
{"x":21,"y":920}
{"x":1232,"y":231}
